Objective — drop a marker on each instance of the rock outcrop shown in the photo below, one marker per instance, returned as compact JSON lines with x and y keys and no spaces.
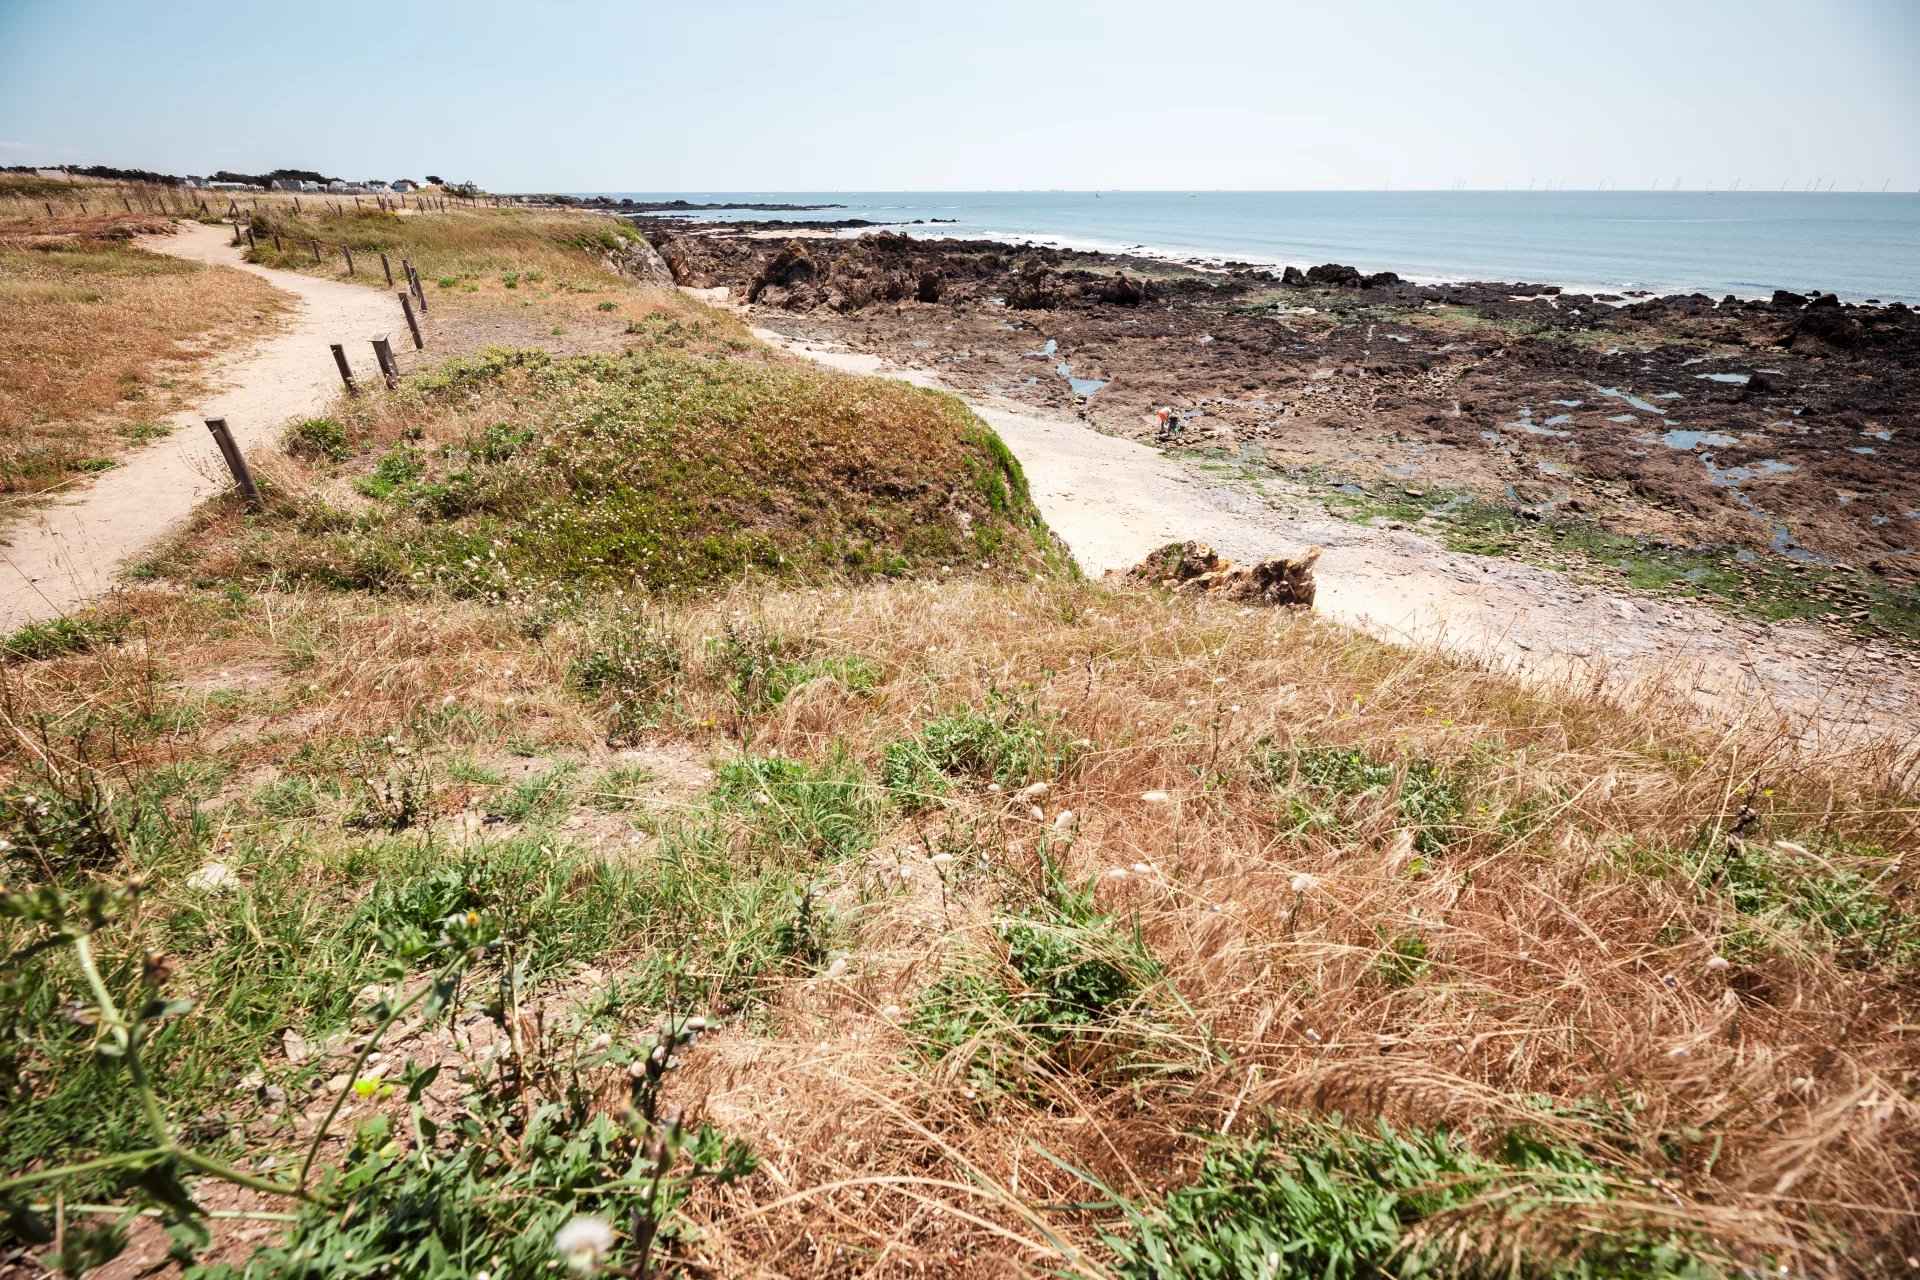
{"x":636,"y":259}
{"x":1195,"y":568}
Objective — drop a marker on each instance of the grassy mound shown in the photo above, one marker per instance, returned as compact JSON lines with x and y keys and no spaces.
{"x":446,"y":248}
{"x":518,"y":475}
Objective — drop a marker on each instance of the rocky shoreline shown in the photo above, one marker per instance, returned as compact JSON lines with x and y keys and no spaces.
{"x":1782,"y":429}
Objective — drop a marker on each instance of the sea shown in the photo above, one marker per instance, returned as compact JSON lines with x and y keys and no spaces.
{"x":1859,"y":245}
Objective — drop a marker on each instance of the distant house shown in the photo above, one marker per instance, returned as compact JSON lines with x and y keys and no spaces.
{"x":405,"y":184}
{"x":307,"y":184}
{"x":283,"y":184}
{"x":374,"y":184}
{"x":336,"y":185}
{"x":230,"y":186}
{"x":197,"y":183}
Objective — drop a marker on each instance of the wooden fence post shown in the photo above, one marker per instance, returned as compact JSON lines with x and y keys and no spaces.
{"x":235,"y":463}
{"x":413,"y":326}
{"x":388,"y":268}
{"x":383,"y":356}
{"x":126,"y":202}
{"x":315,"y":246}
{"x":276,"y":242}
{"x":346,"y":373}
{"x":349,"y":253}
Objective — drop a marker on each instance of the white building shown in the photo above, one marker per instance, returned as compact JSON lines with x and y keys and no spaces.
{"x":405,"y":184}
{"x":374,"y":184}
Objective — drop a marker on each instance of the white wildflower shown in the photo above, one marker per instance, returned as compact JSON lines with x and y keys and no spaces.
{"x":1116,"y":873}
{"x":1037,"y":812}
{"x":941,"y":859}
{"x":1155,"y":797}
{"x":583,"y":1242}
{"x":1717,"y":963}
{"x":1302,"y":883}
{"x":838,"y":969}
{"x":890,"y":1012}
{"x":1064,"y":822}
{"x":1142,"y":868}
{"x":1313,"y":1035}
{"x":1033,"y":791}
{"x":600,"y":1042}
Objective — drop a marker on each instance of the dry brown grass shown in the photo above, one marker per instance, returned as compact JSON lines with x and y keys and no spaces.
{"x":102,"y":338}
{"x":1767,"y":1105}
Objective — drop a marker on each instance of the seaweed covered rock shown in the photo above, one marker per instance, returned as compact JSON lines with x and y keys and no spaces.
{"x":1195,"y":568}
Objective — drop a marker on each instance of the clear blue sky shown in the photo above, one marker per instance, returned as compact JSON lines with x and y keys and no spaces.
{"x":836,"y":95}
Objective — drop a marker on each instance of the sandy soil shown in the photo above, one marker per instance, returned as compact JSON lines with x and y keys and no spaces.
{"x":1114,"y":500}
{"x":71,"y":552}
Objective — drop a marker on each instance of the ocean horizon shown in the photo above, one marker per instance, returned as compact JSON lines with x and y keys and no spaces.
{"x":1859,"y":245}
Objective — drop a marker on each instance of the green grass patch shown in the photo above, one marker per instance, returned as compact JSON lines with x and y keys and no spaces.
{"x":38,"y":641}
{"x":1334,"y":1203}
{"x":1009,"y":742}
{"x":1068,"y":987}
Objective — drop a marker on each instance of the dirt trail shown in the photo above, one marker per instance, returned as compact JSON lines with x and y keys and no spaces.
{"x":1113,"y":500}
{"x":59,"y":558}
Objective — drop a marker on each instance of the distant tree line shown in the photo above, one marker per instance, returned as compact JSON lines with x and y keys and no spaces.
{"x":98,"y":171}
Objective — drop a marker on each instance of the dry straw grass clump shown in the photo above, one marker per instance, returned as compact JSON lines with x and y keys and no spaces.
{"x":1052,"y":927}
{"x":1354,"y":881}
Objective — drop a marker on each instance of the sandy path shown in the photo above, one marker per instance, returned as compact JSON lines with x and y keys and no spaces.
{"x":1114,"y":500}
{"x":61,"y":557}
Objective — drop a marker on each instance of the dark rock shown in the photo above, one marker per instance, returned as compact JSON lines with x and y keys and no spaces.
{"x":792,"y":266}
{"x":1034,"y":289}
{"x":1788,"y":298}
{"x":1825,"y":322}
{"x":1291,"y":276}
{"x":930,"y":286}
{"x":1122,"y":291}
{"x":1380,"y":280}
{"x":1334,"y":274}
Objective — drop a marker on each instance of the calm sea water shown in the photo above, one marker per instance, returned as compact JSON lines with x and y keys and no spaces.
{"x":1854,"y":244}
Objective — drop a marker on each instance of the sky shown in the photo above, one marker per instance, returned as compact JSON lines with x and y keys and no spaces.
{"x":829,"y":95}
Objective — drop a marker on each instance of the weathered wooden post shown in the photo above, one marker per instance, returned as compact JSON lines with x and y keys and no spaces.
{"x":413,"y":325}
{"x":388,"y":268}
{"x":419,"y":292}
{"x":315,"y":246}
{"x":251,"y":242}
{"x":126,"y":202}
{"x":349,"y":254}
{"x":346,"y":374}
{"x":235,"y":463}
{"x":276,"y":242}
{"x":383,"y":356}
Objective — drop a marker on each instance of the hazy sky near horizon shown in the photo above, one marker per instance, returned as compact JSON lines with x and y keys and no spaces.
{"x":736,"y":95}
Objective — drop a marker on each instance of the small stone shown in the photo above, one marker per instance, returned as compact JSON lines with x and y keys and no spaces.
{"x":214,"y":877}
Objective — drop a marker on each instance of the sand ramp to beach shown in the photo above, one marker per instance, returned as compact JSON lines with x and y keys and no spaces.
{"x":1114,"y":501}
